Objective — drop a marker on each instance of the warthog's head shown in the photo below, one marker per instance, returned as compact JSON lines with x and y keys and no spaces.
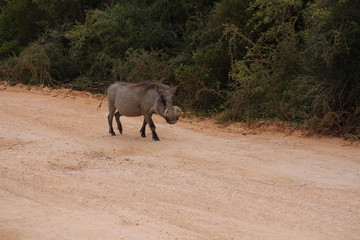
{"x":171,"y":113}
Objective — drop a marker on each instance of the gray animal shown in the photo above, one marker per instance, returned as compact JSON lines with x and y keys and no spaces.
{"x":145,"y":98}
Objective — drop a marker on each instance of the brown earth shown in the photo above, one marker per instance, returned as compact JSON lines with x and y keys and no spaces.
{"x":62,"y":176}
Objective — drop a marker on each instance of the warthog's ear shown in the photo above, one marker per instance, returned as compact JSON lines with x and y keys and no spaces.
{"x":156,"y":87}
{"x":173,"y":89}
{"x":159,"y":90}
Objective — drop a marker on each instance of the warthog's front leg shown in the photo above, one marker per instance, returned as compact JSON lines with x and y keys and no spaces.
{"x":117,"y":118}
{"x":152,"y":127}
{"x":142,"y":130}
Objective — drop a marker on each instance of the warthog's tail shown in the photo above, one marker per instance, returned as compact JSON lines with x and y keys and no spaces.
{"x":102,"y":99}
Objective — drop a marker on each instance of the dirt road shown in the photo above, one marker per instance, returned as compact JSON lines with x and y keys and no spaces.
{"x":62,"y":176}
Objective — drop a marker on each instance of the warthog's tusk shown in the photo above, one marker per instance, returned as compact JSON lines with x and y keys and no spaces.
{"x":177,"y":110}
{"x":165,"y":112}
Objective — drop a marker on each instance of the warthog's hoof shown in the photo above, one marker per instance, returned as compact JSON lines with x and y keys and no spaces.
{"x":155,"y":138}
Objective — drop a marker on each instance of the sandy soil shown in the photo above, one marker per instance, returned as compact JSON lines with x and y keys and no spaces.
{"x":63,"y":177}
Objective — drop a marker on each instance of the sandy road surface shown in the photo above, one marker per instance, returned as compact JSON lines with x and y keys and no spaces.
{"x":63,"y":177}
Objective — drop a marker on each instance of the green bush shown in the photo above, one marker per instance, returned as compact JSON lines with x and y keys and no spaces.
{"x":330,"y":63}
{"x":8,"y":49}
{"x":39,"y":64}
{"x":19,"y":21}
{"x":199,"y":82}
{"x":140,"y":65}
{"x":301,"y":65}
{"x":32,"y":67}
{"x":247,"y":60}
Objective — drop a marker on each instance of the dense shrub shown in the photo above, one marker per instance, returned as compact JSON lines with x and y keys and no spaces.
{"x":300,"y":66}
{"x":140,"y":65}
{"x":199,"y":84}
{"x":246,"y":60}
{"x":32,"y":66}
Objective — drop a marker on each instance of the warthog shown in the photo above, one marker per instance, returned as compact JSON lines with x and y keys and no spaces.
{"x":145,"y":98}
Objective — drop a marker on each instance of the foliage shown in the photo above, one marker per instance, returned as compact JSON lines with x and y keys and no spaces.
{"x":18,"y":26}
{"x":290,"y":60}
{"x":263,"y":78}
{"x":331,"y":66}
{"x":18,"y":21}
{"x":32,"y":66}
{"x":198,"y":80}
{"x":140,"y":65}
{"x":300,"y":65}
{"x":58,"y":13}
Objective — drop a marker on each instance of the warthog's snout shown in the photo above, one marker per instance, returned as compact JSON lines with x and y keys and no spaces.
{"x":171,"y":122}
{"x":171,"y":117}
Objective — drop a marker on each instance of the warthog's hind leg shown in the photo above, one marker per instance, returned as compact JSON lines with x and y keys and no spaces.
{"x":117,"y":118}
{"x":142,"y":130}
{"x":110,"y":118}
